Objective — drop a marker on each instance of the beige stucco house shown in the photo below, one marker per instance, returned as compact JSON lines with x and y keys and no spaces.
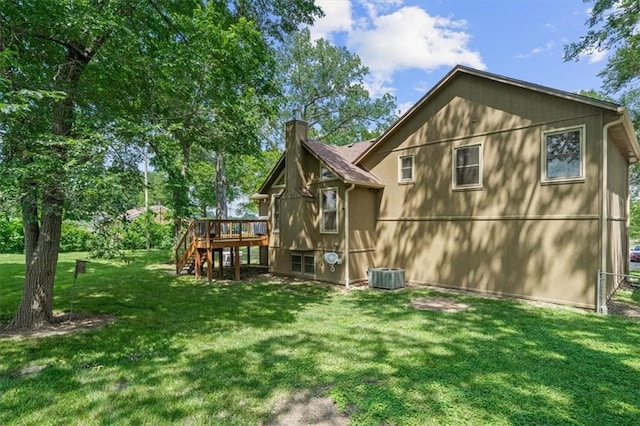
{"x":487,"y":184}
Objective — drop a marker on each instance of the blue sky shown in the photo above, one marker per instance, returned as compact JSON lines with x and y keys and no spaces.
{"x":409,"y":45}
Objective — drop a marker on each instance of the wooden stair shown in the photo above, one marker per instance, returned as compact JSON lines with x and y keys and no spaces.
{"x":204,"y":238}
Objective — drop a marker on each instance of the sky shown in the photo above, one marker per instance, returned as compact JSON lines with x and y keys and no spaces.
{"x":409,"y":45}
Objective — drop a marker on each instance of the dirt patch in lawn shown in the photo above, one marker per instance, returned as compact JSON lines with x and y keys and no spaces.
{"x":306,"y":408}
{"x":63,"y":324}
{"x":441,"y":304}
{"x":624,"y":309}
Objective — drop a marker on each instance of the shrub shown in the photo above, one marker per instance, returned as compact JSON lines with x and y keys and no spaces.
{"x":75,"y":237}
{"x":11,"y":236}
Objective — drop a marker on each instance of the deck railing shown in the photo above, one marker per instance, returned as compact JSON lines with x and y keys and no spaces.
{"x":215,"y":232}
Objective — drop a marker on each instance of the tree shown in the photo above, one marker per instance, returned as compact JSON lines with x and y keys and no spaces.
{"x":613,"y":26}
{"x":99,"y":56}
{"x":327,"y":83}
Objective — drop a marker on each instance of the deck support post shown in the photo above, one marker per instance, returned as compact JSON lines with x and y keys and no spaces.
{"x":209,"y":264}
{"x":221,"y":262}
{"x":248,"y":255}
{"x":236,"y":268}
{"x":198,"y":263}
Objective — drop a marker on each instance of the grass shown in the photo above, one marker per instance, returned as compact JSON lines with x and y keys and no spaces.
{"x":183,"y":351}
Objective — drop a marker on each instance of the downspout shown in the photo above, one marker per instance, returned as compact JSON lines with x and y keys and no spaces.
{"x":347,"y":282}
{"x":604,"y":231}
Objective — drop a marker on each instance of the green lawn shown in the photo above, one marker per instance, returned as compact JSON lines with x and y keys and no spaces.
{"x":184,"y":351}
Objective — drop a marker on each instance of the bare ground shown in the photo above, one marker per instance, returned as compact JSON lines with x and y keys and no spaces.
{"x":63,"y":324}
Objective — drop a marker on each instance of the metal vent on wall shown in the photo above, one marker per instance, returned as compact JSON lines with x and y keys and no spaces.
{"x":387,"y":278}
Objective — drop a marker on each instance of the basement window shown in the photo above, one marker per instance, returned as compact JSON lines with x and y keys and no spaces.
{"x":304,"y":264}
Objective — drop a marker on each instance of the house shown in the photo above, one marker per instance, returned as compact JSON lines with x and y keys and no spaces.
{"x":487,"y":183}
{"x":159,"y":213}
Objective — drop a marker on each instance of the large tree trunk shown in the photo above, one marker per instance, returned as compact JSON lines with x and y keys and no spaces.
{"x":180,"y":192}
{"x":221,"y":187}
{"x":42,"y":244}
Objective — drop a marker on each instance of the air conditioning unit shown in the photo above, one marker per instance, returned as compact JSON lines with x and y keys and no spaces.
{"x":387,"y":278}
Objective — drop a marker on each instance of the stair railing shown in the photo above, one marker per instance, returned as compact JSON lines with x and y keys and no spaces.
{"x":183,"y":247}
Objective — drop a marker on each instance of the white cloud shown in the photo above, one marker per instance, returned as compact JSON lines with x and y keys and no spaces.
{"x":390,"y":37}
{"x":595,"y":56}
{"x":410,"y":38}
{"x":338,"y":17}
{"x":404,"y":107}
{"x":536,"y":50}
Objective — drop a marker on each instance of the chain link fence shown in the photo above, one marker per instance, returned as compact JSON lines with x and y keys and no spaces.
{"x":607,"y":285}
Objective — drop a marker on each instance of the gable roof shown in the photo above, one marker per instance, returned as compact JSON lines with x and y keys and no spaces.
{"x":338,"y":160}
{"x":273,"y":174}
{"x":461,"y":69}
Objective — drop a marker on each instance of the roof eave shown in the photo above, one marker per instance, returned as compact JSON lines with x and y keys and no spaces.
{"x":495,"y":77}
{"x":372,"y":185}
{"x":271,"y":174}
{"x":631,"y":136}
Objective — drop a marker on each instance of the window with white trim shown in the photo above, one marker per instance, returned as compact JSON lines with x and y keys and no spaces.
{"x":405,"y":168}
{"x":325,"y":173}
{"x":304,"y":264}
{"x":563,"y":154}
{"x":467,"y":166}
{"x":275,"y":213}
{"x":329,"y":210}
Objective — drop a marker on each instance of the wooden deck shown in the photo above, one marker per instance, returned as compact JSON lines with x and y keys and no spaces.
{"x":206,"y":237}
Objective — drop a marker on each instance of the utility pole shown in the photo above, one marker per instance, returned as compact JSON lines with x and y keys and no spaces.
{"x":146,"y":194}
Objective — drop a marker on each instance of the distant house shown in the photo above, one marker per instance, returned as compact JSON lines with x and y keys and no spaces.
{"x":488,"y":184}
{"x":159,"y":213}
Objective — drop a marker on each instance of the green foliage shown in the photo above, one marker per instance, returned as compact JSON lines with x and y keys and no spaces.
{"x":328,"y":83}
{"x":114,"y":237}
{"x":75,"y":237}
{"x":634,"y":220}
{"x":107,"y":242}
{"x":11,"y":236}
{"x":135,"y":234}
{"x":613,"y":26}
{"x":181,"y":351}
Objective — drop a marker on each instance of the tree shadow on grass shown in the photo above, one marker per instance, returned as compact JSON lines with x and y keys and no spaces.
{"x":498,"y":363}
{"x":182,"y":351}
{"x":132,"y":370}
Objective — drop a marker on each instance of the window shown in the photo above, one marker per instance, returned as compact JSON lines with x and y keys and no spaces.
{"x":296,"y":263}
{"x":467,"y":166}
{"x":405,"y":168}
{"x":325,"y":173}
{"x":562,"y":154}
{"x":275,"y":203}
{"x":329,"y":210}
{"x":303,"y":264}
{"x":309,"y":265}
{"x":280,"y":180}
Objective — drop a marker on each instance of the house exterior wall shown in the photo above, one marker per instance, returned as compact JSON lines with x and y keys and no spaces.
{"x":617,"y":214}
{"x":363,"y":208}
{"x":300,"y":231}
{"x":514,"y":235}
